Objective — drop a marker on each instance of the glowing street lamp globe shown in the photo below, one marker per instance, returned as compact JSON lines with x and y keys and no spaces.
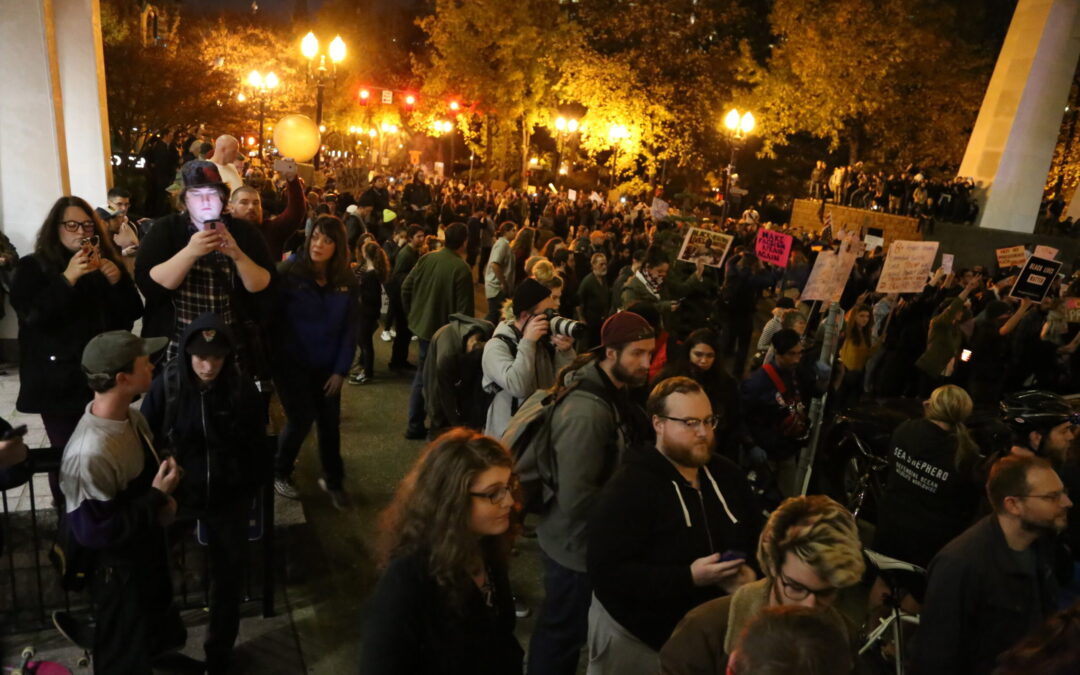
{"x":337,"y":49}
{"x":309,"y":46}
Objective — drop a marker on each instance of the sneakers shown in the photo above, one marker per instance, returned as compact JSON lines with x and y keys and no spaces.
{"x":521,"y":610}
{"x":393,"y":332}
{"x":359,"y":378}
{"x":386,"y":336}
{"x":338,"y":498}
{"x":286,"y":487}
{"x":414,"y":338}
{"x":403,"y":367}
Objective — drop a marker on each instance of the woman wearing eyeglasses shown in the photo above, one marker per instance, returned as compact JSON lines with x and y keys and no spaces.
{"x":443,"y":604}
{"x":809,"y":551}
{"x":71,"y":288}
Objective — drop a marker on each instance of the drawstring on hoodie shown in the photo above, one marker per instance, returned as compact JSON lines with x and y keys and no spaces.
{"x":719,"y":495}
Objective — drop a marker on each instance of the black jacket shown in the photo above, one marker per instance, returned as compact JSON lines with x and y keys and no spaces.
{"x":218,"y":435}
{"x":979,"y":602}
{"x":56,"y":320}
{"x":649,"y":524}
{"x":411,"y":630}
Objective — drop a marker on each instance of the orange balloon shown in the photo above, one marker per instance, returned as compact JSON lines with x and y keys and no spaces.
{"x":297,"y":137}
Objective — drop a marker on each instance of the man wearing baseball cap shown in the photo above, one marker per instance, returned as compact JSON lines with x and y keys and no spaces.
{"x":118,"y":492}
{"x":590,"y":430}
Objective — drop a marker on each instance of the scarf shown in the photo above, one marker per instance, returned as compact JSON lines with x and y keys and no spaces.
{"x":651,"y":284}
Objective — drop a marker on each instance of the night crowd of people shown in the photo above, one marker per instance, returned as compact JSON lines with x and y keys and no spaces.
{"x":609,"y":400}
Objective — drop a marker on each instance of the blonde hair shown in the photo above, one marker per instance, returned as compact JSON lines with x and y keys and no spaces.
{"x":542,"y":270}
{"x":951,"y":405}
{"x":818,"y":531}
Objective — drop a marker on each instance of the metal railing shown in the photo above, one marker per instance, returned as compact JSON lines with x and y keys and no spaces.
{"x":30,"y":588}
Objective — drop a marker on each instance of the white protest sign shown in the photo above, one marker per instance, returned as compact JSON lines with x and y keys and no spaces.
{"x":711,"y":246}
{"x":830,"y":273}
{"x":571,"y":195}
{"x":907,"y":267}
{"x":1013,"y":256}
{"x":947,"y":262}
{"x":1045,"y":252}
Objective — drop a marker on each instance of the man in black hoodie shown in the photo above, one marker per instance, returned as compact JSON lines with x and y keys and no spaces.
{"x":211,"y":417}
{"x":673,"y":529}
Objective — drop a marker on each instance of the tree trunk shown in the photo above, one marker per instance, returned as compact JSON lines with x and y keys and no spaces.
{"x":524,"y":152}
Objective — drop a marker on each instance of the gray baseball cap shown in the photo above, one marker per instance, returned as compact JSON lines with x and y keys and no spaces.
{"x":113,"y":351}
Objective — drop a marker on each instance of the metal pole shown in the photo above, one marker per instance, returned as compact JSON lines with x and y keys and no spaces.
{"x":262,"y":117}
{"x":817,"y":406}
{"x":451,"y":172}
{"x":318,"y":115}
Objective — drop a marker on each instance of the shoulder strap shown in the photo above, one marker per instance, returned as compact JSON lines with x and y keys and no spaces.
{"x":775,"y":377}
{"x":171,"y":384}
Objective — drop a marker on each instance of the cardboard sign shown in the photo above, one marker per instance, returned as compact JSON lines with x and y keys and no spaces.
{"x":1033,"y":282}
{"x":595,"y":196}
{"x":947,"y":262}
{"x":659,"y":209}
{"x":713,"y":246}
{"x":1072,"y":310}
{"x":907,"y":267}
{"x":1013,"y":256}
{"x":830,"y":273}
{"x":773,"y":247}
{"x":1045,"y":252}
{"x":874,"y":237}
{"x":571,"y":195}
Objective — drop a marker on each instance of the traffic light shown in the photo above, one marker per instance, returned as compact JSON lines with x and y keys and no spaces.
{"x":454,"y":106}
{"x":410,"y":101}
{"x":364,"y":96}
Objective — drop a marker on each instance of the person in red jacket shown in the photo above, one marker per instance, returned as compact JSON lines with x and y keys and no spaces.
{"x":245,"y":203}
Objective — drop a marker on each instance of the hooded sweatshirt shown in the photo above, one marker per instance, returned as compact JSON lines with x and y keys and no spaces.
{"x":451,"y":379}
{"x":216,"y":432}
{"x":649,"y":524}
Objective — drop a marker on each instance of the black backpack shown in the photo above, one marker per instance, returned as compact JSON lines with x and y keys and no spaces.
{"x":528,"y":436}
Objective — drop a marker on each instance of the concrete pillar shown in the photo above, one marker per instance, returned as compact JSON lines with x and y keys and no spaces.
{"x":54,"y":137}
{"x":1013,"y":141}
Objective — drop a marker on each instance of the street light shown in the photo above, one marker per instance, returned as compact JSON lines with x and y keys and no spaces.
{"x":616,"y":133}
{"x":262,"y":88}
{"x":563,"y":125}
{"x":309,"y":47}
{"x":446,"y":127}
{"x":739,"y":126}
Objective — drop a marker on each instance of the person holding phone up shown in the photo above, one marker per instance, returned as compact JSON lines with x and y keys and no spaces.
{"x":670,"y":531}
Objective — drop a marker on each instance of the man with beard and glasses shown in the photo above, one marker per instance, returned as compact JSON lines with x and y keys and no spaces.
{"x":659,"y":532}
{"x":589,"y":433}
{"x":995,"y":583}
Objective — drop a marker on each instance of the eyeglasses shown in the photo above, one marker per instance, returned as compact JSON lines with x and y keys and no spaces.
{"x":693,"y":423}
{"x":76,"y":225}
{"x":497,"y":495}
{"x":1050,"y":496}
{"x":796,"y":591}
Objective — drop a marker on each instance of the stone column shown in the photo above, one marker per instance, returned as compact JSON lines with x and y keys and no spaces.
{"x":1013,"y":141}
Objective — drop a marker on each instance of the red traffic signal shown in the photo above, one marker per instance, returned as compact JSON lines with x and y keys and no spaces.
{"x":454,"y":105}
{"x":410,"y":101}
{"x":364,"y":96}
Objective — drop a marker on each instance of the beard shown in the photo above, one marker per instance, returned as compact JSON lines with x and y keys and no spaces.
{"x":1044,"y":527}
{"x":627,"y":377}
{"x":694,"y":454}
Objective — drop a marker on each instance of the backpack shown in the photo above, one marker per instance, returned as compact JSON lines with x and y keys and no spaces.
{"x":528,"y":436}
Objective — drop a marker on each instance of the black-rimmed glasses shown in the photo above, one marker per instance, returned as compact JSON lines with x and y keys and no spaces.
{"x":694,"y":423}
{"x":497,"y":495}
{"x":76,"y":225}
{"x":796,"y":591}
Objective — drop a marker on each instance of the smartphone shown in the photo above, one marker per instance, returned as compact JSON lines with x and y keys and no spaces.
{"x":215,"y":225}
{"x":16,"y":432}
{"x":731,"y":554}
{"x":965,"y":355}
{"x":284,"y":164}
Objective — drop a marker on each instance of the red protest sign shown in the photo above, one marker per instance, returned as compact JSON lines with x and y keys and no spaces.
{"x":773,"y":247}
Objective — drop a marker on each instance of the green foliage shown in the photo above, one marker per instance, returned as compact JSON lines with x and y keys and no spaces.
{"x":888,"y":77}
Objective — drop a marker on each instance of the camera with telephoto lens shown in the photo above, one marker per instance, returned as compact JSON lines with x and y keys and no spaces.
{"x":560,"y":325}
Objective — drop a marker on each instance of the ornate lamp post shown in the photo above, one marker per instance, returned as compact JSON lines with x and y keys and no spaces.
{"x":262,"y":88}
{"x":309,"y":47}
{"x":562,"y":126}
{"x":616,"y":134}
{"x":739,"y":126}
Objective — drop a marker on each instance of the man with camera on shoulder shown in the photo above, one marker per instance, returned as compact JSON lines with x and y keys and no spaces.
{"x":525,"y":353}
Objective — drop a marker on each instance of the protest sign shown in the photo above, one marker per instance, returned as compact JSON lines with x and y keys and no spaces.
{"x":659,"y":208}
{"x":1033,"y":282}
{"x":907,"y":267}
{"x":1072,"y":310}
{"x":698,"y":242}
{"x":773,"y":247}
{"x":1013,"y":256}
{"x":595,"y":196}
{"x":1045,"y":252}
{"x":571,"y":195}
{"x":830,"y":273}
{"x":874,"y":237}
{"x":947,"y":262}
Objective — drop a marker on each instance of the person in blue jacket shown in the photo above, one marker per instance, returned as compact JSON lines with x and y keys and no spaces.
{"x":318,"y":299}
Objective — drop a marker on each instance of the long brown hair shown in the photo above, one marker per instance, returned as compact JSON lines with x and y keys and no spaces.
{"x":431,"y":510}
{"x":859,"y":336}
{"x":337,"y":268}
{"x":48,"y":246}
{"x":525,"y":241}
{"x":373,"y":252}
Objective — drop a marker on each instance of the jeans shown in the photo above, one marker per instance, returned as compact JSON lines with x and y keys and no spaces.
{"x":366,"y":328}
{"x":417,"y":413}
{"x":562,"y":624}
{"x":495,"y":304}
{"x":399,"y":353}
{"x":302,"y":397}
{"x":226,"y":533}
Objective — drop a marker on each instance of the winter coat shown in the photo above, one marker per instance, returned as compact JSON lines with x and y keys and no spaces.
{"x":649,"y":524}
{"x":56,"y":320}
{"x":317,"y":324}
{"x":218,"y":434}
{"x":515,"y":374}
{"x":439,"y":285}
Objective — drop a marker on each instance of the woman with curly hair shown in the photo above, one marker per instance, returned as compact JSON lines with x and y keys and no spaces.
{"x":443,"y":604}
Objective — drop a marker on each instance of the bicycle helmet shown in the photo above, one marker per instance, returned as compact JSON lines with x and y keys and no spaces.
{"x":1028,"y":411}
